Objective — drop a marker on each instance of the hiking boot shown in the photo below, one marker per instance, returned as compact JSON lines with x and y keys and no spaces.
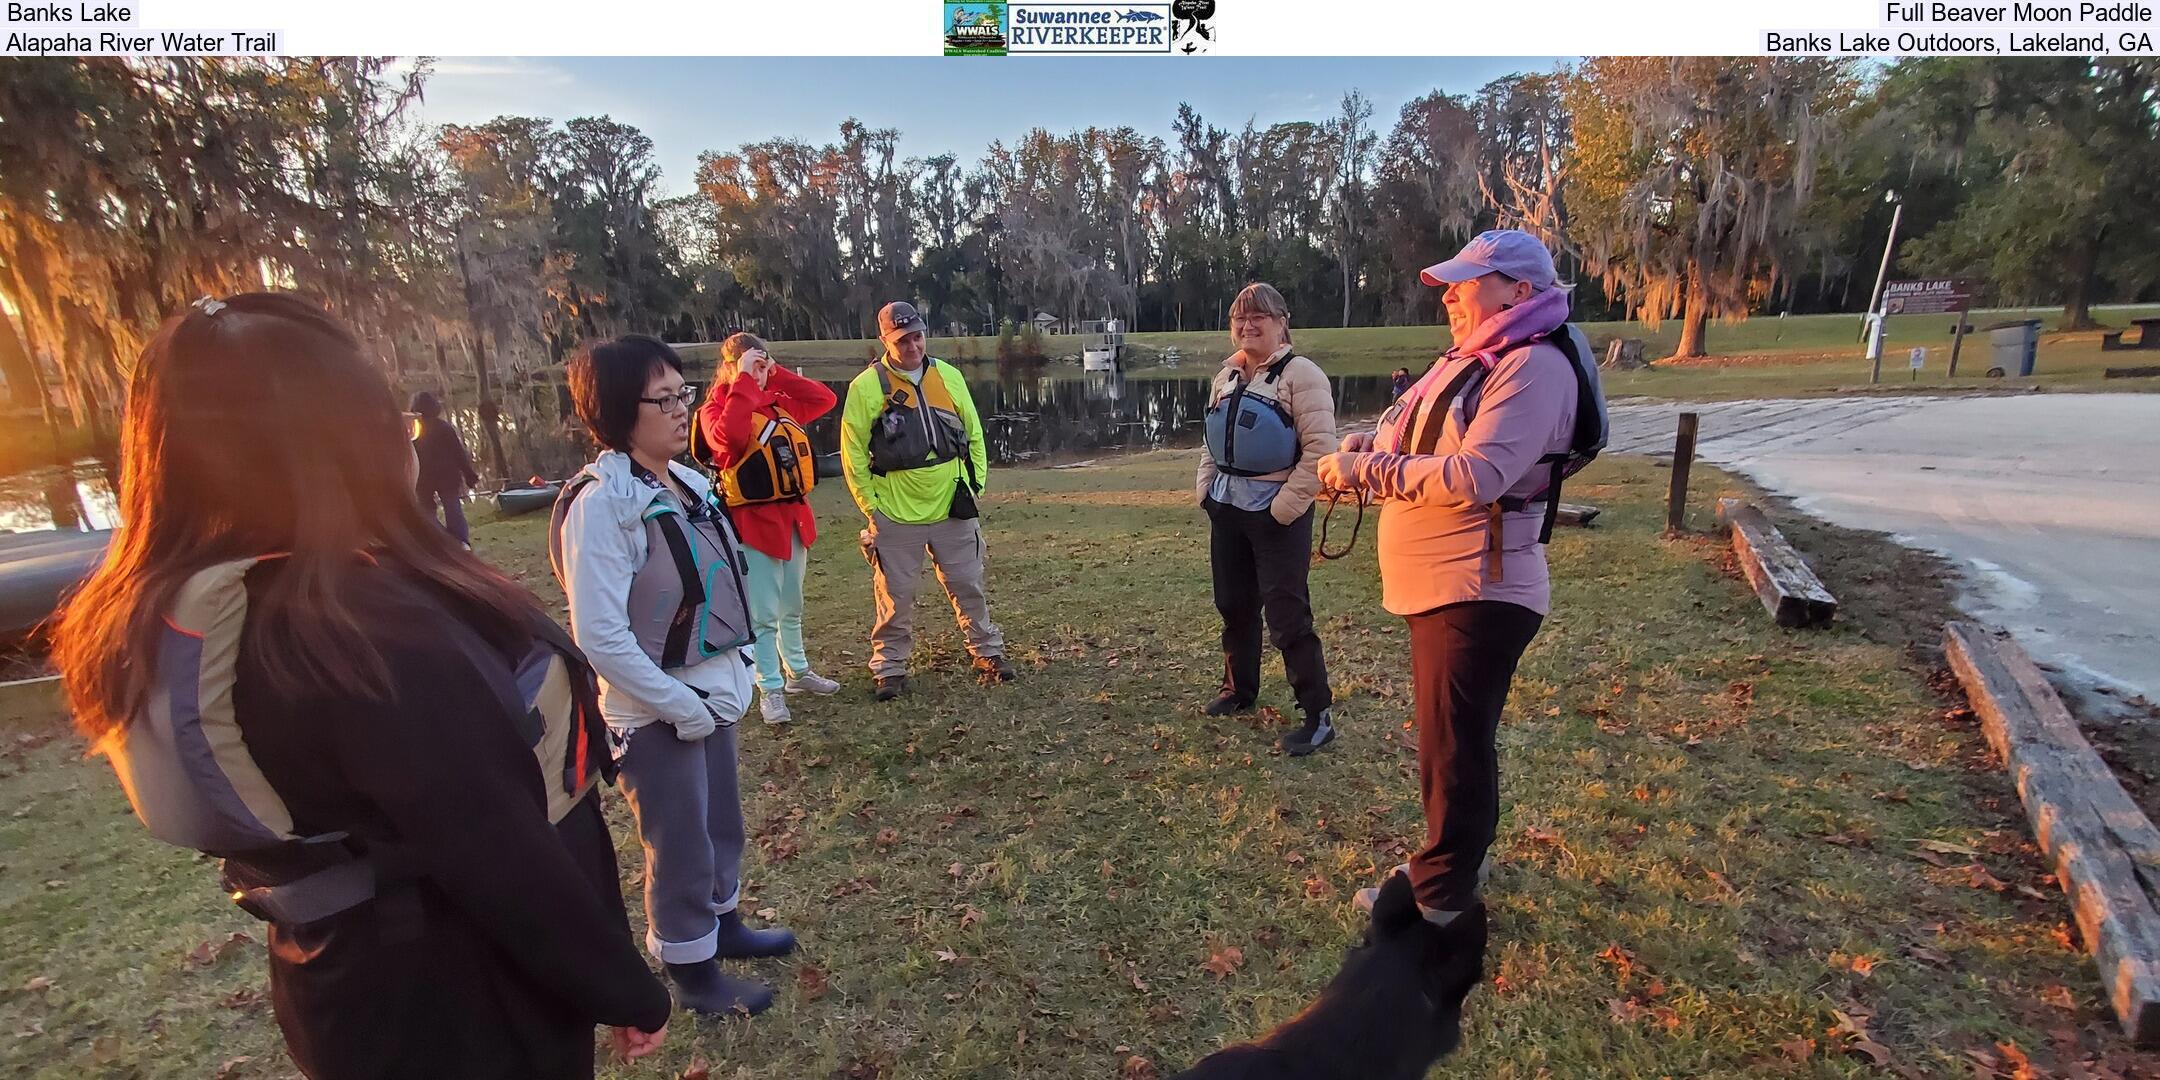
{"x":810,"y":682}
{"x":703,"y":988}
{"x":1316,"y":732}
{"x":889,"y":687}
{"x":991,"y":670}
{"x":740,"y":941}
{"x":1227,"y":703}
{"x":772,"y":705}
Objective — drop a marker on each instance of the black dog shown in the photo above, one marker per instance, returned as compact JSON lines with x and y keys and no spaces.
{"x":1393,"y":1009}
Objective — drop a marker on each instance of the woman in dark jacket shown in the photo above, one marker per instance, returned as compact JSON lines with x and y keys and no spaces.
{"x":446,"y":471}
{"x":373,"y":680}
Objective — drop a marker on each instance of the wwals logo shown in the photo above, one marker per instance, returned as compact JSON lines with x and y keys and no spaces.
{"x":976,"y":29}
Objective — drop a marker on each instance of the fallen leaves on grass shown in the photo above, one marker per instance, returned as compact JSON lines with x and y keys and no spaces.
{"x":37,"y":985}
{"x":697,"y":1070}
{"x":232,"y":1067}
{"x":208,"y":953}
{"x":1797,"y":1049}
{"x":1137,"y":1068}
{"x":1224,"y":961}
{"x":811,"y":980}
{"x":887,"y":837}
{"x":1979,"y":878}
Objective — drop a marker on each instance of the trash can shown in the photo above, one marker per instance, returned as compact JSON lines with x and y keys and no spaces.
{"x":2012,"y":347}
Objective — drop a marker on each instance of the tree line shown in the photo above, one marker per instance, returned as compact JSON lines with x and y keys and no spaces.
{"x":1686,"y":188}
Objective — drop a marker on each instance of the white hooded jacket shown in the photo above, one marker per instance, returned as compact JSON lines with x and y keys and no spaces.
{"x":603,"y":547}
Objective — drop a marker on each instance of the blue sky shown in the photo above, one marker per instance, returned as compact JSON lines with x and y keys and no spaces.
{"x":939,"y":105}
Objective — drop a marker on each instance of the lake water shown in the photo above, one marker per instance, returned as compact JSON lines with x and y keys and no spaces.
{"x":1025,"y":418}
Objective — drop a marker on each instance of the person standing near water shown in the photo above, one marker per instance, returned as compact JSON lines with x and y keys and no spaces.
{"x":1460,"y":469}
{"x":751,"y":433}
{"x":912,"y":447}
{"x":292,"y":668}
{"x":654,"y":574}
{"x":1270,"y":416}
{"x":446,"y":467}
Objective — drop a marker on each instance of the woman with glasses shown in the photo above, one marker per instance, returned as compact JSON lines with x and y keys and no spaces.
{"x":654,"y":573}
{"x":1270,"y":417}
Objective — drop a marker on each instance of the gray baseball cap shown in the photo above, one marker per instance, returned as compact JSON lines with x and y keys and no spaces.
{"x":1513,"y":252}
{"x":897,"y":320}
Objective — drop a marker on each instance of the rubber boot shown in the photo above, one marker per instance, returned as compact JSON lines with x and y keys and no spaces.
{"x":703,"y":988}
{"x":739,"y":941}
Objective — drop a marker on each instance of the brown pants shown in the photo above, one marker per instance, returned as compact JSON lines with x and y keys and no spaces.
{"x":896,"y":553}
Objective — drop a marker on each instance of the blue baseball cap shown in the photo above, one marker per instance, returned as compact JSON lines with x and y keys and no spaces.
{"x":1513,"y":252}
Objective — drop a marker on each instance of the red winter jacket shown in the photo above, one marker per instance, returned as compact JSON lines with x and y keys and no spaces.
{"x":724,"y":420}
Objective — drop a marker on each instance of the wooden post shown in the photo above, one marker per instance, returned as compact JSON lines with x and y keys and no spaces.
{"x":1683,"y":457}
{"x":1957,"y":341}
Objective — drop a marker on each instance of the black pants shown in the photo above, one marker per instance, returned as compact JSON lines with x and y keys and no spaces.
{"x":1260,"y":567}
{"x":1462,"y":658}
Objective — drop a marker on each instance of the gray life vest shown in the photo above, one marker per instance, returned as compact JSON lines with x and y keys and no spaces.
{"x":1249,"y":432}
{"x":919,"y":426}
{"x":187,"y":772}
{"x":689,"y":602}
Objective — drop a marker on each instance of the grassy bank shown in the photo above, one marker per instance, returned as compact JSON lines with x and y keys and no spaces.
{"x":1761,"y":357}
{"x":1727,"y":850}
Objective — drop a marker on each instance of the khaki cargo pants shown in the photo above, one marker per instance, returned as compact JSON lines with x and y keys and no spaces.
{"x":896,"y":553}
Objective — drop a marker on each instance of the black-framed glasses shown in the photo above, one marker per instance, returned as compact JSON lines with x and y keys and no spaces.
{"x":677,"y":402}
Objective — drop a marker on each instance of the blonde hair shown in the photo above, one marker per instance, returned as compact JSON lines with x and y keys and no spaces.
{"x":1261,"y":298}
{"x":738,"y":343}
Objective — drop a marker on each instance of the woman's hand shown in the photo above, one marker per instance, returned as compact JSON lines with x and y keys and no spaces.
{"x":1339,"y":471}
{"x":632,"y":1044}
{"x":759,"y":364}
{"x":1357,"y":442}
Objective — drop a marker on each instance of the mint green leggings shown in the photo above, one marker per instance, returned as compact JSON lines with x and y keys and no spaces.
{"x":776,"y":614}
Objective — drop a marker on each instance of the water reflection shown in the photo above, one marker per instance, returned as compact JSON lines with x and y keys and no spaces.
{"x":76,"y":496}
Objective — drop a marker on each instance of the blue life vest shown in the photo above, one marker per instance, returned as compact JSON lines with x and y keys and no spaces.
{"x":1249,"y":432}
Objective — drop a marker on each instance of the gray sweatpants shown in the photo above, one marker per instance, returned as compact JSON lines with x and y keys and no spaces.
{"x":896,"y":555}
{"x":688,"y":804}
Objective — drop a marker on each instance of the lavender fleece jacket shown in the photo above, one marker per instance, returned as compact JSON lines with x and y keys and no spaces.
{"x":1434,"y":524}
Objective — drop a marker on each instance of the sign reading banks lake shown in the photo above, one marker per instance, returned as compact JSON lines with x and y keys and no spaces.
{"x":1089,"y":28}
{"x":1930,"y":297}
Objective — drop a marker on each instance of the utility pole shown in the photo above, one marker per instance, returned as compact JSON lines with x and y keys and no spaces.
{"x":1897,"y":213}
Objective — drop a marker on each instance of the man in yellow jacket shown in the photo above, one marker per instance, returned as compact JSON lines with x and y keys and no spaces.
{"x":911,"y":444}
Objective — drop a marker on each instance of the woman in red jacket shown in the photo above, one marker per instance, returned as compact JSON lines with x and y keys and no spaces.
{"x":753,"y":426}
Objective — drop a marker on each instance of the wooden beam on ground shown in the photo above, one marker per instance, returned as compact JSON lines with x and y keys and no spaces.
{"x":2104,"y":850}
{"x":1790,"y":591}
{"x":1576,"y":514}
{"x":2130,"y":372}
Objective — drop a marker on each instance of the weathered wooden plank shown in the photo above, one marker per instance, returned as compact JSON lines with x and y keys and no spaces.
{"x":2105,"y":851}
{"x":1789,"y":589}
{"x":2130,"y":372}
{"x":1576,"y":514}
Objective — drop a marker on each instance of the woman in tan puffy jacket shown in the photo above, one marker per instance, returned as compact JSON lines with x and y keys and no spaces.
{"x":1271,"y":415}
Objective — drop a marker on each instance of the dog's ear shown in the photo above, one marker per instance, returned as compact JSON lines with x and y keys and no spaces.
{"x":1396,"y":909}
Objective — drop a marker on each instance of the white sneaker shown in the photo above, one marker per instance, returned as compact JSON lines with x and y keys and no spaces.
{"x":813,"y":683}
{"x":773,"y":707}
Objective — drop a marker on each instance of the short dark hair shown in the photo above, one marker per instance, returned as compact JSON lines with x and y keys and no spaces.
{"x":608,"y":378}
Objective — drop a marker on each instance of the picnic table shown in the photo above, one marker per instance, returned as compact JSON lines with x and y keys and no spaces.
{"x":2148,"y":336}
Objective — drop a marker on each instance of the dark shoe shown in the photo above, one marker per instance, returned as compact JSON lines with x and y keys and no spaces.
{"x":889,"y":687}
{"x":703,"y":988}
{"x":991,"y":670}
{"x":740,"y":941}
{"x":1316,"y":732}
{"x":1227,"y":703}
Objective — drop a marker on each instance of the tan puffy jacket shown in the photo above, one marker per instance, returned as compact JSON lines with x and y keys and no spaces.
{"x":1303,"y":390}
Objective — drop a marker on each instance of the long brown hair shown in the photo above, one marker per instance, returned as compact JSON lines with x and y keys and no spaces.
{"x":259,"y":426}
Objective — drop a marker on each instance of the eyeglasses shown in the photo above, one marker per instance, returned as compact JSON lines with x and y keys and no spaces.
{"x":678,"y":402}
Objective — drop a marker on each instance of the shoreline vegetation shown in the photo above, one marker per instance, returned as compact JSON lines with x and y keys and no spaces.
{"x":1727,"y":849}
